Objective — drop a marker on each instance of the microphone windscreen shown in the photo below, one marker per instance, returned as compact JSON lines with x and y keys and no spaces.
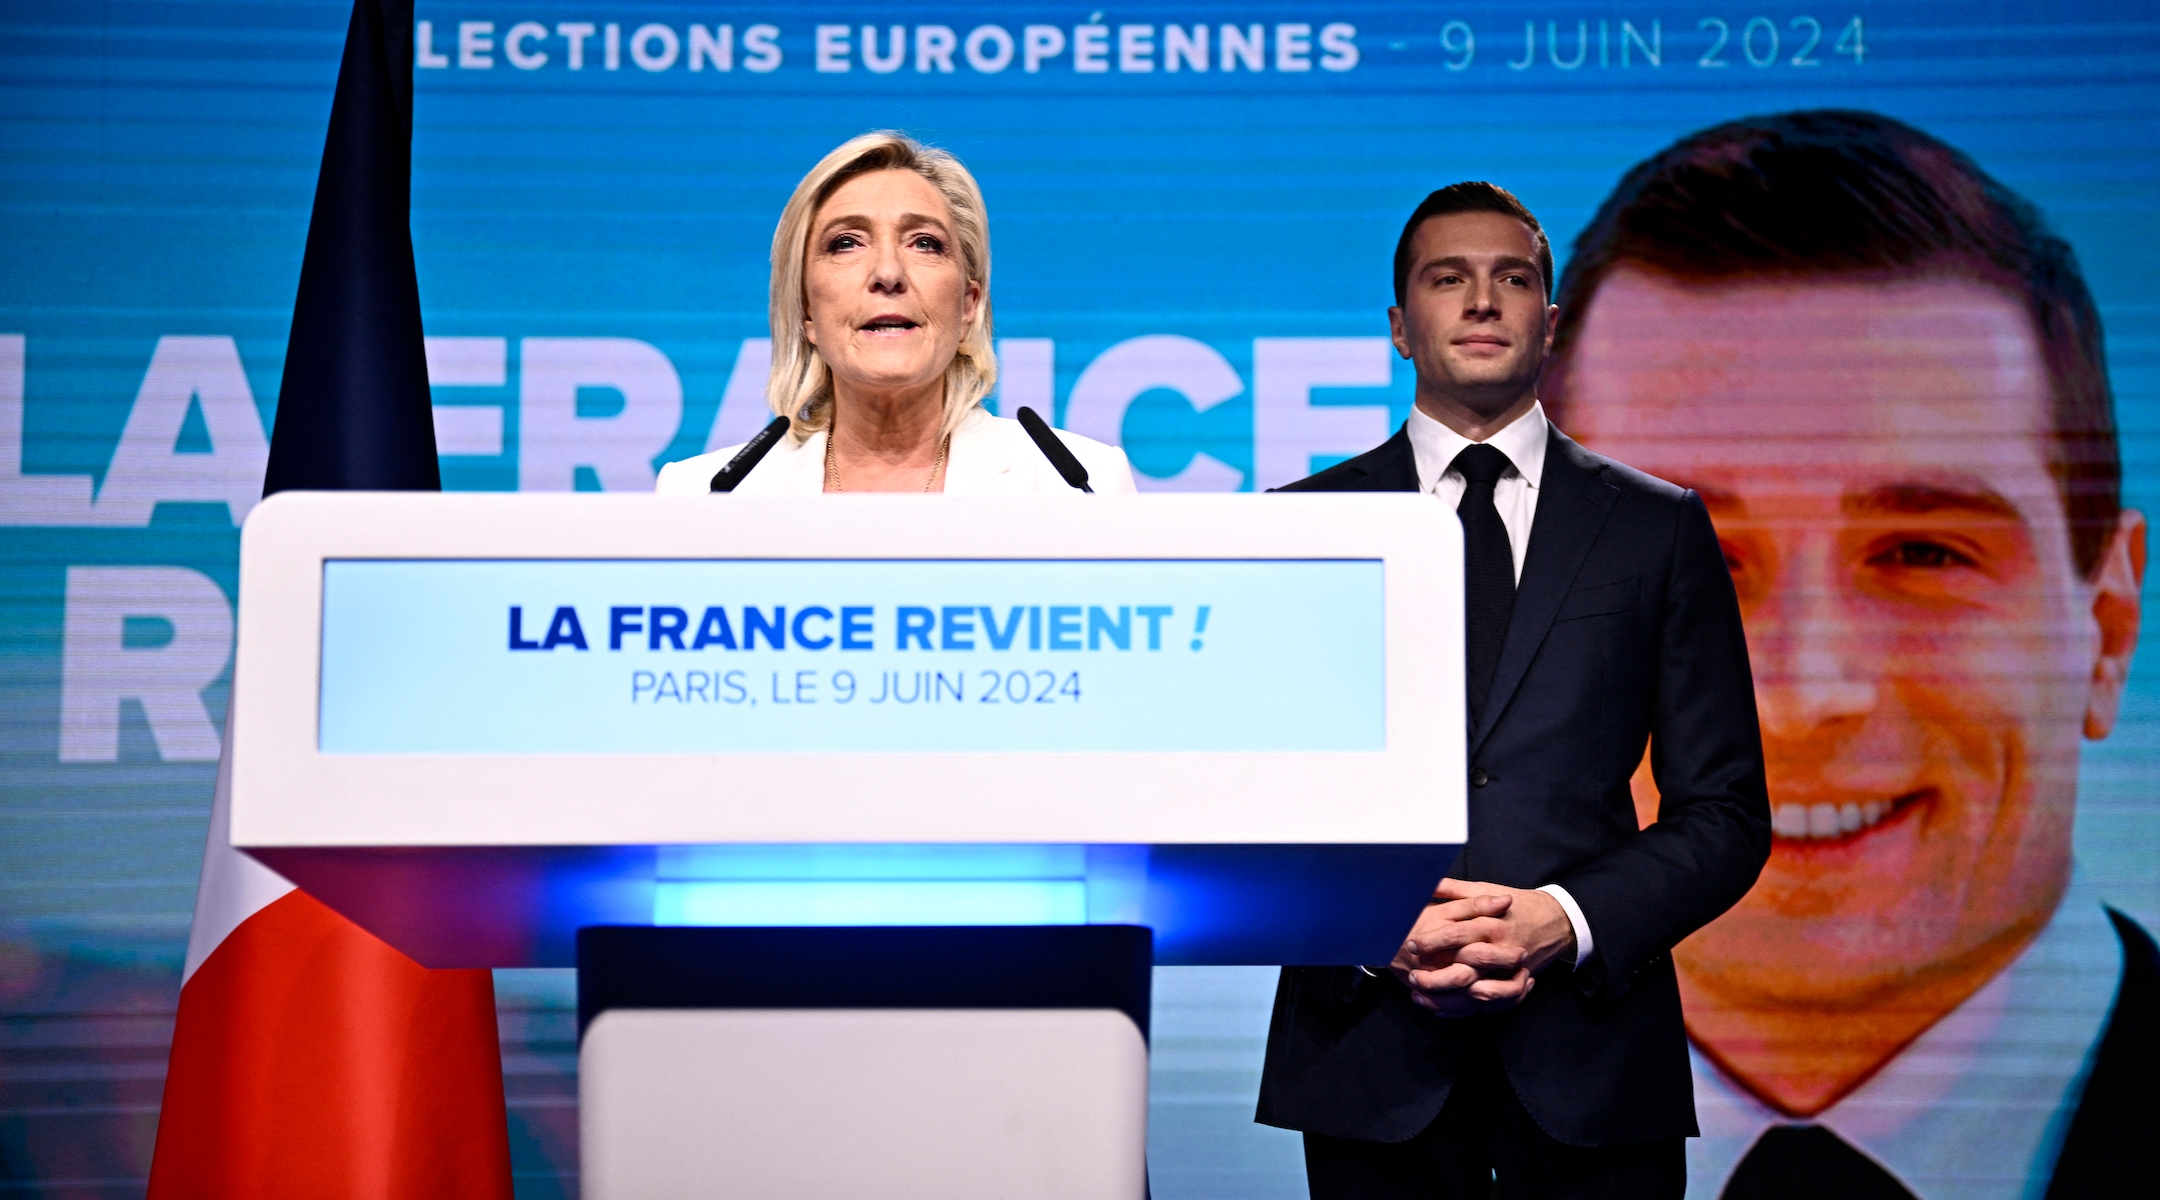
{"x":752,"y":453}
{"x":1059,"y":454}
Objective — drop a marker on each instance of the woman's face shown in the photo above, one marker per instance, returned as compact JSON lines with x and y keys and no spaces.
{"x":886,"y":292}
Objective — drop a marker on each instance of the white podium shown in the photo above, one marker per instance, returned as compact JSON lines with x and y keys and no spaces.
{"x":477,"y":724}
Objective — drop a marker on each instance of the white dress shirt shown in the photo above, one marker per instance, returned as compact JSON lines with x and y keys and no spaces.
{"x":1515,"y":495}
{"x":1976,"y":1107}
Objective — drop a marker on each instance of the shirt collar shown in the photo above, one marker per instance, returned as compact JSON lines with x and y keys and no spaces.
{"x":1435,"y":445}
{"x":1976,"y":1105}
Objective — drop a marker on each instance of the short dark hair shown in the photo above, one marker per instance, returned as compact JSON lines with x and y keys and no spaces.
{"x":1467,"y":197}
{"x":1857,"y":194}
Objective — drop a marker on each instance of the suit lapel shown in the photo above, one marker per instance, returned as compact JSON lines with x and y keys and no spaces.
{"x":979,"y":458}
{"x":2111,"y":1124}
{"x":1390,"y":467}
{"x":1572,"y":506}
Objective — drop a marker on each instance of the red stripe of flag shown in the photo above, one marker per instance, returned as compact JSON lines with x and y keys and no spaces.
{"x":314,"y":1060}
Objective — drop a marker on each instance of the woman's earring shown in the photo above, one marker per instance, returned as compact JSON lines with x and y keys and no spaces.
{"x":804,"y":415}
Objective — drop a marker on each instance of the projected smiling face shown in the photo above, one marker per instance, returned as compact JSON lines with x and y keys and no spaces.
{"x":886,"y":291}
{"x":1926,"y":654}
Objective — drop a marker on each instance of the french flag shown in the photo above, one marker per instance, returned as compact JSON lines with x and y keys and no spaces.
{"x":310,"y":1058}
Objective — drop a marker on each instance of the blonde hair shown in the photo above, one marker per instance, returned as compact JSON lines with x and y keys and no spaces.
{"x":800,"y":377}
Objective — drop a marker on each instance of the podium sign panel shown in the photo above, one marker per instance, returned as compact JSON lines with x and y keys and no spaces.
{"x":851,"y":656}
{"x":475,"y":722}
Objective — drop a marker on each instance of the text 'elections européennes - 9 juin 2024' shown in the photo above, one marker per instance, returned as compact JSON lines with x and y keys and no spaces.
{"x":1094,"y":47}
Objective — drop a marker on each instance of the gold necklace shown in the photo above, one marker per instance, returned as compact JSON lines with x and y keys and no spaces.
{"x":832,"y":465}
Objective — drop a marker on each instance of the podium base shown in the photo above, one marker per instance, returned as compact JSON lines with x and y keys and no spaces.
{"x":950,"y":1062}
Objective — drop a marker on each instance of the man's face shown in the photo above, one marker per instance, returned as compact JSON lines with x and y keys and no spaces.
{"x":1926,"y":654}
{"x":1473,"y":316}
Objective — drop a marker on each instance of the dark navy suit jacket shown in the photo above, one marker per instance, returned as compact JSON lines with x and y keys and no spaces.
{"x":1625,"y":631}
{"x":2107,"y":1148}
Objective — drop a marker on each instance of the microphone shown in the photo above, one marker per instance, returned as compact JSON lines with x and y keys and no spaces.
{"x":752,"y":453}
{"x":1060,"y":455}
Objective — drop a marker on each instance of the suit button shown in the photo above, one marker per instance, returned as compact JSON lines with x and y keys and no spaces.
{"x":1478,"y":777}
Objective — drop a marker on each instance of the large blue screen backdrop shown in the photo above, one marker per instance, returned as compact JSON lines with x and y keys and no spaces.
{"x":1193,"y":209}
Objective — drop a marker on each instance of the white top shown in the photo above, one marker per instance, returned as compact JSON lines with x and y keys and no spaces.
{"x":1516,"y":493}
{"x":1975,"y":1107}
{"x":990,"y":456}
{"x":1435,"y":446}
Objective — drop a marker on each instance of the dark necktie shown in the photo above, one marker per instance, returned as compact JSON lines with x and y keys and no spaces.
{"x":1488,"y":570}
{"x":1808,"y":1162}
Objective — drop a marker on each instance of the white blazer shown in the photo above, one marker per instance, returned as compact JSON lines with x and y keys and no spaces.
{"x":990,"y":456}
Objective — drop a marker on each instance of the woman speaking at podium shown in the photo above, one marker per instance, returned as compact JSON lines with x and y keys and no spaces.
{"x":882,"y":349}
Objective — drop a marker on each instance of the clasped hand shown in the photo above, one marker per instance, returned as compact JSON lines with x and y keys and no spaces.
{"x":1479,"y":946}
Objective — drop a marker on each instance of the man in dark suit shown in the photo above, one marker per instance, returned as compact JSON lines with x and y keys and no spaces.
{"x":1530,"y":1027}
